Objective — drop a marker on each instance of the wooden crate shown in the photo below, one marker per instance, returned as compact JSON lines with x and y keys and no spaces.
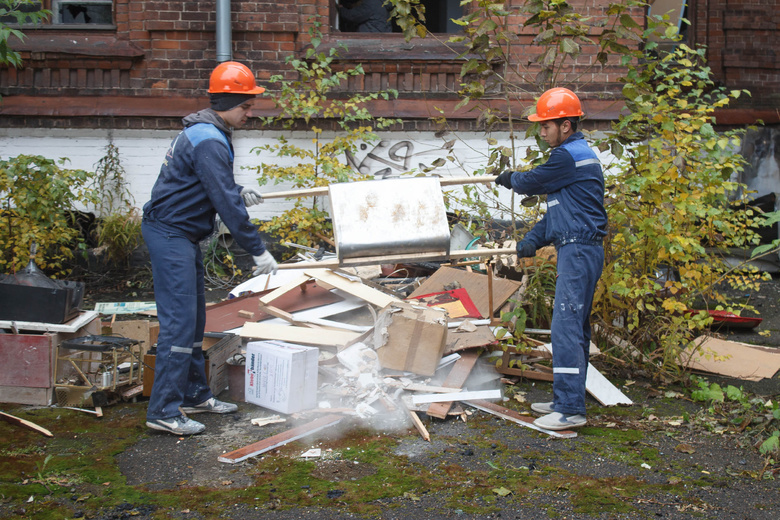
{"x":29,"y":360}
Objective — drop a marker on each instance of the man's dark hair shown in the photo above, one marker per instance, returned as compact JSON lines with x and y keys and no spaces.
{"x":573,"y":120}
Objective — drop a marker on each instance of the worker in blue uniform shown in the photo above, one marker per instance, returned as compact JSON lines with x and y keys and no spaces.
{"x":576,"y":223}
{"x":194,"y":185}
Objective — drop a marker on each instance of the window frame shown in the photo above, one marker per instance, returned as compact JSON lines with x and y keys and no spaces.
{"x":54,"y":7}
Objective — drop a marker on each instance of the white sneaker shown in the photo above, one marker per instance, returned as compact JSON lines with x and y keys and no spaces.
{"x":542,"y":408}
{"x":212,"y":406}
{"x":176,"y":425}
{"x":558,"y":421}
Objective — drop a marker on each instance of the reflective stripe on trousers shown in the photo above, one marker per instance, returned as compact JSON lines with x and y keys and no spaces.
{"x":579,"y":269}
{"x":180,"y":368}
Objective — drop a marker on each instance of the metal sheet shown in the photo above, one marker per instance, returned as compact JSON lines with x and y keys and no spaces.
{"x":389,"y":217}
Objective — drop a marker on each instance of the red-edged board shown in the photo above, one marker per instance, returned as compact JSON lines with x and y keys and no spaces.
{"x":729,"y":319}
{"x":456,"y":302}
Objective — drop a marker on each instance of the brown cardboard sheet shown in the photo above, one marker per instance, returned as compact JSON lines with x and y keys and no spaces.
{"x":729,"y":358}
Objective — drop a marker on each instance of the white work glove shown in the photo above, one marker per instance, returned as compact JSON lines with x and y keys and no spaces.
{"x":264,"y":264}
{"x":251,"y":196}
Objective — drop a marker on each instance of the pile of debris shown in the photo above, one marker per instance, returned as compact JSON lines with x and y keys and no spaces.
{"x":378,"y":355}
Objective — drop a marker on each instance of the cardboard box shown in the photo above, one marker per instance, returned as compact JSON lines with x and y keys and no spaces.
{"x":410,"y":337}
{"x":281,"y":376}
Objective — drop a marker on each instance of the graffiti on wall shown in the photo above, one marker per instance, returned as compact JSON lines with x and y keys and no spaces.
{"x":388,"y":159}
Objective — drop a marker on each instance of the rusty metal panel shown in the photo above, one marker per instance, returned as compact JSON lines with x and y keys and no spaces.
{"x":390,"y":217}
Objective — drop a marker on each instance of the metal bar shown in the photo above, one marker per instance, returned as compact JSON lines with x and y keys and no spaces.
{"x":323,"y":190}
{"x":413,"y":257}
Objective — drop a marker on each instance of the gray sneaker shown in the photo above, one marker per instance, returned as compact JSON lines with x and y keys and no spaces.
{"x":558,"y":421}
{"x":212,"y":406}
{"x":176,"y":425}
{"x":543,"y":408}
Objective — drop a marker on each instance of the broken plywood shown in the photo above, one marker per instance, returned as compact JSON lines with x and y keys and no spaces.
{"x":223,"y":316}
{"x":732,"y":359}
{"x":476,"y":286}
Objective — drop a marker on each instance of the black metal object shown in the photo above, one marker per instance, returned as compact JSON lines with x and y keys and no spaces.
{"x":40,"y":304}
{"x":98,"y":343}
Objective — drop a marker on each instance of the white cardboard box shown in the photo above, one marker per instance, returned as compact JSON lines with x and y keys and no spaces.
{"x":281,"y":376}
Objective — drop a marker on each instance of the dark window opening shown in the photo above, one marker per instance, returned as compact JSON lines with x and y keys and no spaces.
{"x":97,"y":13}
{"x":371,"y":16}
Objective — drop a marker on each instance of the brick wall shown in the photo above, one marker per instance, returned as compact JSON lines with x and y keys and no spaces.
{"x":743,"y":45}
{"x":165,"y":50}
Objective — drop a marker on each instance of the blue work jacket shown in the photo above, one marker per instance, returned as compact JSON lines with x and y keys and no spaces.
{"x":573,"y":181}
{"x":196,"y":183}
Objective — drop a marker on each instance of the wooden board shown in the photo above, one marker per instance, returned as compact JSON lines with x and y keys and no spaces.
{"x":476,"y":285}
{"x":293,"y":334}
{"x":280,"y":439}
{"x":352,"y":287}
{"x":459,"y":341}
{"x":455,"y":379}
{"x":522,"y":420}
{"x":599,"y":386}
{"x":733,"y":359}
{"x":223,"y":316}
{"x":82,"y":320}
{"x":12,"y":419}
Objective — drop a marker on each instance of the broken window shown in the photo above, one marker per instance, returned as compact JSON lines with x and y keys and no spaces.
{"x":372,"y":16}
{"x":66,"y":12}
{"x":88,"y":12}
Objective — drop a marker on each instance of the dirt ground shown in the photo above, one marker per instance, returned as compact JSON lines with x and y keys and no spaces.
{"x":642,"y":461}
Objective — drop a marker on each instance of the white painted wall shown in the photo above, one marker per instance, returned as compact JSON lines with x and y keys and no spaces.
{"x":142,"y":151}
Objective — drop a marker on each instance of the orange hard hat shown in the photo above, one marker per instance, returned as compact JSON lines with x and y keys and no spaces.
{"x":557,"y":103}
{"x":231,"y":77}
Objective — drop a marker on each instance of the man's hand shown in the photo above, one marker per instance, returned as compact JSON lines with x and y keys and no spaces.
{"x":505,"y":179}
{"x":264,"y":264}
{"x":251,"y":196}
{"x":525,"y":249}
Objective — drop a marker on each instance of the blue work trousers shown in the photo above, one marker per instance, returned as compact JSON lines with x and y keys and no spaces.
{"x":579,"y":269}
{"x":179,"y":291}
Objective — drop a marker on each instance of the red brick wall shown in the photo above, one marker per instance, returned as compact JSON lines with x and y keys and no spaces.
{"x":166,"y":49}
{"x":743,"y":45}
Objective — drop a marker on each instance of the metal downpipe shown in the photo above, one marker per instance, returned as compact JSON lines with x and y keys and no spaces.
{"x":224,"y":34}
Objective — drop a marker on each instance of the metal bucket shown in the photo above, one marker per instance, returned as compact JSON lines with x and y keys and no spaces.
{"x":236,"y":372}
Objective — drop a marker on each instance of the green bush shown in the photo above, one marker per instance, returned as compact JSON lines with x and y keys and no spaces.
{"x":38,"y":196}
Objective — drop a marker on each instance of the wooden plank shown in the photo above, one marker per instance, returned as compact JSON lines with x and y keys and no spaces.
{"x":293,"y":334}
{"x":289,"y":286}
{"x":511,"y":415}
{"x":12,"y":419}
{"x":417,"y":387}
{"x":419,"y":425}
{"x":455,"y":379}
{"x":280,"y":439}
{"x":476,"y":395}
{"x":353,"y":287}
